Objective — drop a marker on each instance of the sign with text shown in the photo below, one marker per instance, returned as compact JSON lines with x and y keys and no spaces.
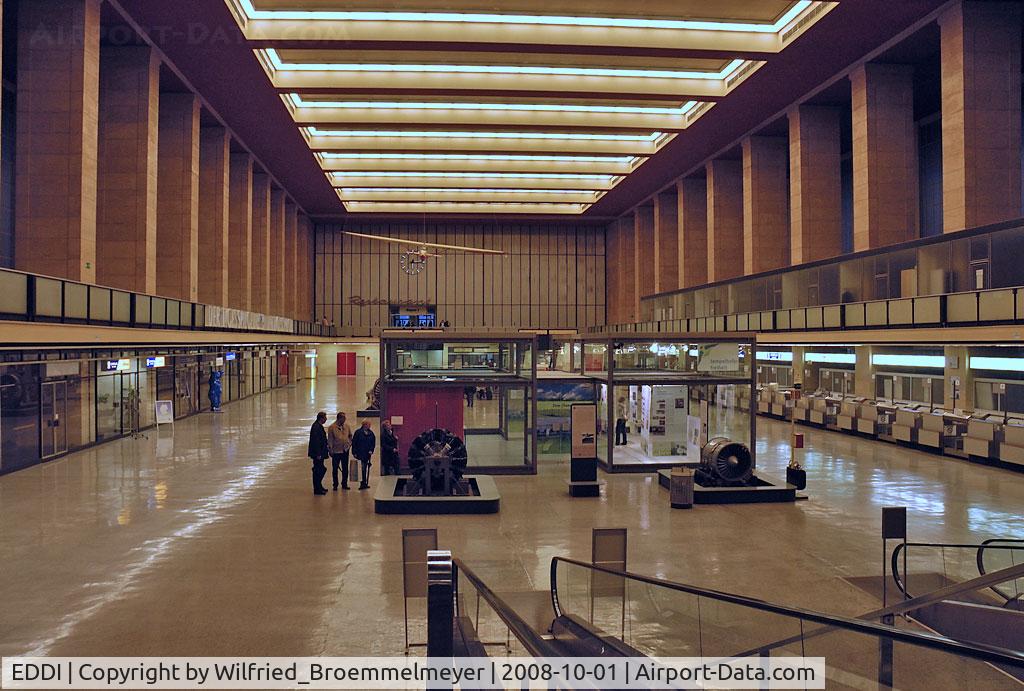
{"x":718,"y":357}
{"x":165,"y":412}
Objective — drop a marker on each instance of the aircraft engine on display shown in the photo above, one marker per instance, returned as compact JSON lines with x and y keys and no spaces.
{"x":437,"y":459}
{"x":725,"y":463}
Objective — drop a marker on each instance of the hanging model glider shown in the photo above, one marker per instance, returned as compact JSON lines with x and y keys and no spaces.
{"x":414,"y":259}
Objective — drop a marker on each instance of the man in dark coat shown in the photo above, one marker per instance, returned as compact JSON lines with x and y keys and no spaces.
{"x":319,"y":451}
{"x":389,"y":458}
{"x":364,"y":441}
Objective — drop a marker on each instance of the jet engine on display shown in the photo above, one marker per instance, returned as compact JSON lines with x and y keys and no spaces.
{"x":725,"y":463}
{"x":437,"y":459}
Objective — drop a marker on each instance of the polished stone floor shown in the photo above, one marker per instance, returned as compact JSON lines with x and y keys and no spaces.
{"x":206,"y":540}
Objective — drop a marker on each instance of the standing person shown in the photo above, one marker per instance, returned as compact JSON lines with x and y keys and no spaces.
{"x":470,"y":393}
{"x":339,"y":437}
{"x":620,"y":423}
{"x":389,"y":458}
{"x":319,"y":451}
{"x":364,"y":441}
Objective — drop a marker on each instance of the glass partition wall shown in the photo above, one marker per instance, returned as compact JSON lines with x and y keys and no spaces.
{"x":480,"y":389}
{"x":661,"y":397}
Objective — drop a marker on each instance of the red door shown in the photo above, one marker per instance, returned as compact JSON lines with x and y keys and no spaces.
{"x":346,"y":364}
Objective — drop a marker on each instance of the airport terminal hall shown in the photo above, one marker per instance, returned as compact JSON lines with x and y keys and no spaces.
{"x":494,"y":344}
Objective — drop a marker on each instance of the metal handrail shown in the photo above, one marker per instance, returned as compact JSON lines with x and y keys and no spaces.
{"x":973,"y":650}
{"x":901,"y":580}
{"x":991,"y":543}
{"x":534,"y":643}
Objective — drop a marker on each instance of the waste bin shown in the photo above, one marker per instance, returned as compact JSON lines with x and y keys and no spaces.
{"x":682,"y":488}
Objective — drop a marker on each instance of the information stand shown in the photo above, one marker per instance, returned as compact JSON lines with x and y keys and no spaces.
{"x":416,"y":543}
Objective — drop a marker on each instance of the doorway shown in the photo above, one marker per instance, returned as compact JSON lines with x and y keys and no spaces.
{"x":52,"y":415}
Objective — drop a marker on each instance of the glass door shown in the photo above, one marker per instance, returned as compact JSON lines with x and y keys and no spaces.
{"x":52,"y":413}
{"x":108,"y":406}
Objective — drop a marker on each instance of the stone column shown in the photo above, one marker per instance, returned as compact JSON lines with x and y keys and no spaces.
{"x":765,"y":204}
{"x":127,"y":168}
{"x":276,"y":262}
{"x":57,"y":138}
{"x":666,"y":242}
{"x":692,"y":203}
{"x":981,"y":113}
{"x":884,"y":156}
{"x":260,"y":301}
{"x":291,"y":265}
{"x":214,"y":215}
{"x":644,"y":259}
{"x":725,"y":219}
{"x":177,"y":229}
{"x":240,"y":232}
{"x":815,"y":187}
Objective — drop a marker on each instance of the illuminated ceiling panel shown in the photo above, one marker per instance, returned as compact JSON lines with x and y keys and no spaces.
{"x":456,"y":107}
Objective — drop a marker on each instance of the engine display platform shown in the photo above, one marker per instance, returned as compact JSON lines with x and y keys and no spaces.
{"x":764,"y":491}
{"x":391,"y":498}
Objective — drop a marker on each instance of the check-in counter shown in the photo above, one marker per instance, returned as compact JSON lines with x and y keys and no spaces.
{"x":802,"y":408}
{"x":908,"y":423}
{"x":833,"y":405}
{"x":849,"y":410}
{"x":817,"y":406}
{"x":984,"y":435}
{"x":943,"y":431}
{"x":780,"y":400}
{"x":1011,"y":450}
{"x":764,"y":401}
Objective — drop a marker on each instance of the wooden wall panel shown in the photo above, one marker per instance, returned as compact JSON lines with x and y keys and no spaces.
{"x":552,"y":276}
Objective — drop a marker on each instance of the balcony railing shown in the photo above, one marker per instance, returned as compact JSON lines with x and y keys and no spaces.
{"x":976,"y":307}
{"x":30,"y":297}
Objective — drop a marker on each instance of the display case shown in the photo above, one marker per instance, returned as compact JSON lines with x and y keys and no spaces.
{"x":661,"y":395}
{"x":481,"y":388}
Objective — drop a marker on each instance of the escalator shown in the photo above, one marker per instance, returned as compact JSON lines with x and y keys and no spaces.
{"x":604,"y":613}
{"x":993,"y":615}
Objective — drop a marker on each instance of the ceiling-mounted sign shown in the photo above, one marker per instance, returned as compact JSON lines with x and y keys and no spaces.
{"x":230,"y":356}
{"x":156,"y":361}
{"x":122,"y":365}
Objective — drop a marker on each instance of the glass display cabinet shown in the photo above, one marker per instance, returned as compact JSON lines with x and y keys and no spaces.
{"x":480,"y":388}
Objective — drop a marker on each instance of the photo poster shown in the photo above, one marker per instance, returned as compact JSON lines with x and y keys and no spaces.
{"x":666,"y":420}
{"x":645,"y":419}
{"x":718,"y":357}
{"x":693,"y":430}
{"x":583,"y":423}
{"x":164,"y":412}
{"x":702,"y":440}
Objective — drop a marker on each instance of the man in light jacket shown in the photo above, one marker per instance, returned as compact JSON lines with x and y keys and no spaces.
{"x":364,"y":441}
{"x":339,"y":437}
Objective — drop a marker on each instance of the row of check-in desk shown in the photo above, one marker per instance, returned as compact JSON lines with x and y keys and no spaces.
{"x":982,"y":437}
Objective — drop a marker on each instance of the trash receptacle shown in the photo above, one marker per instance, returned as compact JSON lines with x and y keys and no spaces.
{"x":682,"y":488}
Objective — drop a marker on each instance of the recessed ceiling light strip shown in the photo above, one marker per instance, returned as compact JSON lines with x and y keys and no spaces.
{"x":299,"y":102}
{"x":560,"y":70}
{"x":481,"y":18}
{"x":654,"y":136}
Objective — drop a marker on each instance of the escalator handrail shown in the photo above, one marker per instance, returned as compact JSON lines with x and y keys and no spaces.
{"x":894,"y":560}
{"x":990,"y":544}
{"x":534,"y":643}
{"x":973,"y":650}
